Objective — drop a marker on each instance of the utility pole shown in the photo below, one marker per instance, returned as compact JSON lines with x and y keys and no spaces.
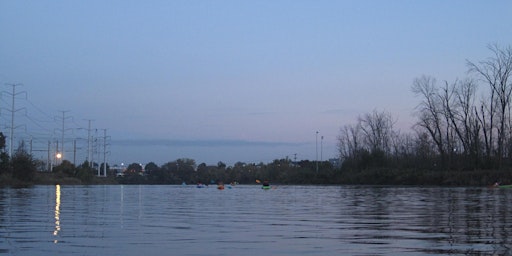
{"x":97,"y":150}
{"x":13,"y":111}
{"x":74,"y":152}
{"x":316,"y":160}
{"x":321,"y":148}
{"x":89,"y":143}
{"x":63,"y":131}
{"x":105,"y":152}
{"x":58,"y":156}
{"x":49,"y":162}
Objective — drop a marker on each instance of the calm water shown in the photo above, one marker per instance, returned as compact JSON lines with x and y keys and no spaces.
{"x":288,"y":220}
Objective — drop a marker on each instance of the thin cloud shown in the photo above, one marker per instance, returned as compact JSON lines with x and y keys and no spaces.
{"x":339,"y":111}
{"x":261,"y":113}
{"x":200,"y":143}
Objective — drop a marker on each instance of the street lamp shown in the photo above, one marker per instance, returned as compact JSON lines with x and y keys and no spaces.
{"x":321,"y":148}
{"x":316,"y":144}
{"x":58,"y":157}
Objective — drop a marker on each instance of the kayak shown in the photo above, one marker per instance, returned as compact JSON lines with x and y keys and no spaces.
{"x":265,"y":187}
{"x":505,"y":186}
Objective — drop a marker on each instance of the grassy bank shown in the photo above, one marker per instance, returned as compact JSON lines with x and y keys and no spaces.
{"x":383,"y":176}
{"x":374,"y":176}
{"x":49,"y":178}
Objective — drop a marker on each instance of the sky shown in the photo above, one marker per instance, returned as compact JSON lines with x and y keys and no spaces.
{"x":231,"y":81}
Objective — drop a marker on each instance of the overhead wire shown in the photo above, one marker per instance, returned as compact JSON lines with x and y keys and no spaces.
{"x":40,"y":129}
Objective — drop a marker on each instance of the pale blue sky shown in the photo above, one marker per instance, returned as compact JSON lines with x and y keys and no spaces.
{"x":229,"y":81}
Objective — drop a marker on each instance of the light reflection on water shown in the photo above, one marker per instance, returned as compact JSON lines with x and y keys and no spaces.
{"x":57,"y":213}
{"x":289,"y":220}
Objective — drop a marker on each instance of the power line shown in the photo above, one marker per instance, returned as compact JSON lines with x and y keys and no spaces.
{"x":42,"y":129}
{"x":38,"y":109}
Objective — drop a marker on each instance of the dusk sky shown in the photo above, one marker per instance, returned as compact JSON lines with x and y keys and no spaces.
{"x":248,"y":81}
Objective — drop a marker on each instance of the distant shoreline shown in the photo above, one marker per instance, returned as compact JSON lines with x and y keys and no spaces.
{"x":474,"y":178}
{"x":48,"y":178}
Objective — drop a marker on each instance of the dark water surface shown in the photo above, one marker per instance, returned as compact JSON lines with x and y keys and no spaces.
{"x":246,"y":220}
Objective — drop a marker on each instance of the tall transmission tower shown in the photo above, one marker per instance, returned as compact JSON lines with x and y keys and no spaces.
{"x":104,"y":152}
{"x":63,"y":131}
{"x":89,"y":143}
{"x":13,"y":110}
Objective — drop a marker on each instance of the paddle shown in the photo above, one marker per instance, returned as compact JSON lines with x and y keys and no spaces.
{"x":258,"y":181}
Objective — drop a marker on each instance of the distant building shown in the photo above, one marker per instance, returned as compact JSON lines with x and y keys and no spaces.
{"x":119,"y":170}
{"x":335,"y":162}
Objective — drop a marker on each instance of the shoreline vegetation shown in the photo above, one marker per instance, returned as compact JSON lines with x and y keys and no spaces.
{"x":384,"y":177}
{"x":462,"y":136}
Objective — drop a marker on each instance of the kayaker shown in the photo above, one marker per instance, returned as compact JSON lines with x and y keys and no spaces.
{"x":266,"y":183}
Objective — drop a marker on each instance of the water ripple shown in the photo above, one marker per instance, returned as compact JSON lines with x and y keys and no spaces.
{"x":290,"y":220}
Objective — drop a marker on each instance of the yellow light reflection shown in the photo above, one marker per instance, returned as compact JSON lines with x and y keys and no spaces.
{"x":57,"y":212}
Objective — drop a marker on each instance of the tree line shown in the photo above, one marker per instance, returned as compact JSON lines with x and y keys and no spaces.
{"x":462,"y":133}
{"x":22,"y":170}
{"x":18,"y":169}
{"x":280,"y":171}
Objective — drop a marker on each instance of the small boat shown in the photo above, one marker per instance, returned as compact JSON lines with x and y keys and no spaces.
{"x":505,"y":186}
{"x":265,"y":185}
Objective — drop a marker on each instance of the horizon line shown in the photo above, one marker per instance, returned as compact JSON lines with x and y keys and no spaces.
{"x":201,"y":143}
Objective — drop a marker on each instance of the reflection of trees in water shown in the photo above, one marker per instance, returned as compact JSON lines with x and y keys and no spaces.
{"x":2,"y":210}
{"x":475,"y":219}
{"x":434,"y":220}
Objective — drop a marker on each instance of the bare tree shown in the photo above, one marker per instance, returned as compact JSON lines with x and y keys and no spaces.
{"x":349,"y":141}
{"x":377,"y":128}
{"x":495,"y":71}
{"x":463,"y":116}
{"x":448,"y":111}
{"x":430,"y":111}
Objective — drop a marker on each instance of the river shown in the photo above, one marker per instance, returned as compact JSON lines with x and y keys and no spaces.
{"x":246,"y":220}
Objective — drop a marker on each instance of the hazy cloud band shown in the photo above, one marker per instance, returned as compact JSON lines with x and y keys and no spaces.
{"x":201,"y":143}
